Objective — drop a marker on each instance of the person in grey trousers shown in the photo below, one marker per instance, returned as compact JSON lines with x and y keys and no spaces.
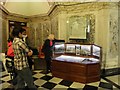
{"x":21,"y":51}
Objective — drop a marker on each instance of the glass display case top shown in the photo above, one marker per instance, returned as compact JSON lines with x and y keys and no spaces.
{"x":76,"y":59}
{"x":96,"y":51}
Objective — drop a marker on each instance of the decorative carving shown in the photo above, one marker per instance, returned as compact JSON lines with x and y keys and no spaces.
{"x":54,"y":26}
{"x":113,"y":36}
{"x":87,"y":23}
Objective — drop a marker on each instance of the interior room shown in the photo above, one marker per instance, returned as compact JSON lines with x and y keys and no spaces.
{"x":86,"y":49}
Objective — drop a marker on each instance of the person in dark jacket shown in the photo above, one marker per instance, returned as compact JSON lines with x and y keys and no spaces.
{"x":48,"y":51}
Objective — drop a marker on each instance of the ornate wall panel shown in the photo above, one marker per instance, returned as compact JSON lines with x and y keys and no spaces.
{"x":81,"y":28}
{"x":113,"y":36}
{"x":32,"y":34}
{"x":3,"y":30}
{"x":46,"y":30}
{"x":40,"y":29}
{"x":39,"y":34}
{"x":54,"y":26}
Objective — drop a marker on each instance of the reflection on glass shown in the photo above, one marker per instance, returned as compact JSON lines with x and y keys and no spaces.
{"x":70,"y":48}
{"x":96,"y":51}
{"x":59,"y":48}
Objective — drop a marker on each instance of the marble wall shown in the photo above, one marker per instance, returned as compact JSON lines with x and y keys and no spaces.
{"x":39,"y":29}
{"x":112,"y":52}
{"x":3,"y":32}
{"x":0,"y":31}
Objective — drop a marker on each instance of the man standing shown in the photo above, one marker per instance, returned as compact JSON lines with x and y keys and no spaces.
{"x":48,"y":51}
{"x":21,"y":51}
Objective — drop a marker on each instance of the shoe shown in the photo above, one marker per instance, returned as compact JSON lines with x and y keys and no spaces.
{"x":47,"y":72}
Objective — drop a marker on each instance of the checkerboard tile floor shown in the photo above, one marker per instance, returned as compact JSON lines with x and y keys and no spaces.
{"x":48,"y":82}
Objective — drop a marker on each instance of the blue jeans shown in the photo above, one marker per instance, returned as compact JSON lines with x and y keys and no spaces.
{"x":25,"y":76}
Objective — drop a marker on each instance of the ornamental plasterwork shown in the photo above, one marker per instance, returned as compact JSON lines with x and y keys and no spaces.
{"x":88,"y":26}
{"x":113,"y":38}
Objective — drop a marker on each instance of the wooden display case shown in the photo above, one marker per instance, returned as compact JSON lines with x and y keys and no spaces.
{"x":80,"y":68}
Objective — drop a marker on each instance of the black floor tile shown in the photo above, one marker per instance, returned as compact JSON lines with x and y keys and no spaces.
{"x":66,"y":83}
{"x":8,"y":89}
{"x":106,"y":85}
{"x":73,"y":89}
{"x":44,"y":72}
{"x":47,"y":78}
{"x":110,"y":72}
{"x":1,"y":81}
{"x":49,"y":85}
{"x":4,"y":76}
{"x":37,"y":86}
{"x":10,"y":81}
{"x":33,"y":73}
{"x":34,"y":78}
{"x":88,"y":87}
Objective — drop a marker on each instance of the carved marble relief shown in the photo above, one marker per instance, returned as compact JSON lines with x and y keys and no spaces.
{"x":32,"y":35}
{"x":39,"y":31}
{"x":0,"y":34}
{"x":54,"y":27}
{"x":4,"y":35}
{"x":113,"y":51}
{"x":39,"y":34}
{"x":46,"y":30}
{"x":92,"y":29}
{"x":77,"y":27}
{"x":82,"y":27}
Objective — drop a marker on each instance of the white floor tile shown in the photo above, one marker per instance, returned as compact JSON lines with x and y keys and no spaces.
{"x":39,"y":82}
{"x":77,"y":85}
{"x":7,"y":78}
{"x":5,"y":85}
{"x":38,"y":75}
{"x":114,"y":79}
{"x":59,"y":87}
{"x":55,"y":80}
{"x":94,"y":84}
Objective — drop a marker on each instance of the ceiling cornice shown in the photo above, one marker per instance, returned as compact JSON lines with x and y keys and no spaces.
{"x":4,"y":9}
{"x":39,"y":15}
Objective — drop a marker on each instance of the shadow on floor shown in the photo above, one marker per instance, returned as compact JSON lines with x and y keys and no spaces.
{"x":39,"y":64}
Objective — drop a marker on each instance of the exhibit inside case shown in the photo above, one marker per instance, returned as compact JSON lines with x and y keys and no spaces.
{"x":96,"y":50}
{"x":90,"y":53}
{"x":85,"y":49}
{"x":71,"y":48}
{"x":59,"y":47}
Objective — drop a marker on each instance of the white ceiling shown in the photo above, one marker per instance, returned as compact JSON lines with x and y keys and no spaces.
{"x":27,"y":8}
